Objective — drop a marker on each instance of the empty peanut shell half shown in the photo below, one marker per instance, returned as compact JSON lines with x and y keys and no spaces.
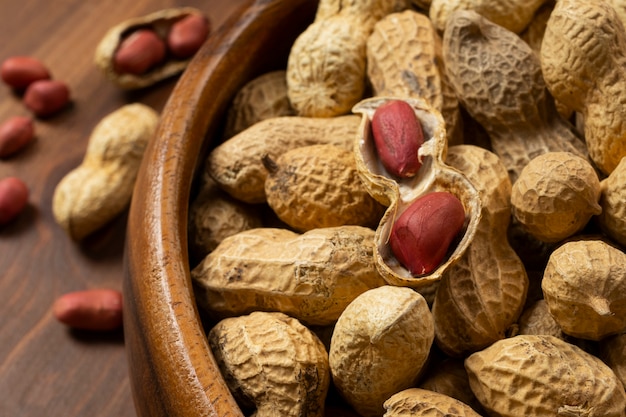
{"x":142,"y":51}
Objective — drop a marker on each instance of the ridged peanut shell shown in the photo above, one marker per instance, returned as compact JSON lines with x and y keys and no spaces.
{"x":261,"y":98}
{"x":371,"y":9}
{"x":612,"y":220}
{"x":513,"y":15}
{"x":536,"y":319}
{"x":236,"y":165}
{"x":160,"y":21}
{"x":398,"y":194}
{"x":101,"y":187}
{"x":311,"y":276}
{"x":556,"y":195}
{"x":584,"y":285}
{"x":318,"y":186}
{"x":416,"y":402}
{"x":481,"y":296}
{"x":379,"y":346}
{"x":404,"y":59}
{"x":583,"y":56}
{"x":532,"y":375}
{"x":613,"y":353}
{"x":272,"y":362}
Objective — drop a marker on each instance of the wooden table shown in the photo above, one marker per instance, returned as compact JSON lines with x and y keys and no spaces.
{"x":45,"y":368}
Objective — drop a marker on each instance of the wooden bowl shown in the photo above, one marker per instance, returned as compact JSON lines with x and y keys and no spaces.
{"x":172,"y":370}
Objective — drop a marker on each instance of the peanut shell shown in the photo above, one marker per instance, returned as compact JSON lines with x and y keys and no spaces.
{"x":416,"y":402}
{"x":318,"y":186}
{"x":532,"y":375}
{"x":397,"y":194}
{"x":236,"y":164}
{"x":160,"y":21}
{"x":311,"y":276}
{"x":612,"y":220}
{"x":379,"y":346}
{"x":272,"y":362}
{"x":613,"y":353}
{"x":584,"y":285}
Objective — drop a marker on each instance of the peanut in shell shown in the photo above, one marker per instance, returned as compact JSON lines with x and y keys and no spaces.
{"x":612,"y":220}
{"x":416,"y":402}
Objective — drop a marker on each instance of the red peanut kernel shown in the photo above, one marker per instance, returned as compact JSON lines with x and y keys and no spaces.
{"x":15,"y":133}
{"x":46,"y":97}
{"x":139,"y":52}
{"x":18,"y":72}
{"x":13,"y":198}
{"x":97,"y":309}
{"x":187,"y":35}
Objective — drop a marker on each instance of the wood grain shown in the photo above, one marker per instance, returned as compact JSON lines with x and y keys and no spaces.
{"x":45,"y":369}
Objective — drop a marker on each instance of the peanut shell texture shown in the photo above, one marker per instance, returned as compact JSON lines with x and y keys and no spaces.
{"x":416,"y":402}
{"x":584,"y":285}
{"x":532,"y":375}
{"x":379,"y":346}
{"x":612,"y":220}
{"x":272,"y":364}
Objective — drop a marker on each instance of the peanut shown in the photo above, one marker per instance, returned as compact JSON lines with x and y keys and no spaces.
{"x":498,"y":79}
{"x":272,"y":363}
{"x":536,"y":319}
{"x":583,"y":55}
{"x":139,"y":52}
{"x":236,"y":165}
{"x":533,"y":375}
{"x":13,"y":198}
{"x":261,"y":98}
{"x":416,"y":402}
{"x":481,"y":296}
{"x":18,"y":72}
{"x":612,"y":220}
{"x":513,"y":15}
{"x":398,"y":136}
{"x":98,"y":309}
{"x":318,"y":186}
{"x":187,"y":35}
{"x":311,"y":276}
{"x":379,"y":346}
{"x":46,"y":97}
{"x":15,"y":134}
{"x":613,"y":353}
{"x":100,"y":188}
{"x":421,"y":236}
{"x":556,"y":195}
{"x":584,"y":285}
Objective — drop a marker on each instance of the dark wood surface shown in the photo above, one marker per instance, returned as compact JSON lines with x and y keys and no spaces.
{"x":46,"y":369}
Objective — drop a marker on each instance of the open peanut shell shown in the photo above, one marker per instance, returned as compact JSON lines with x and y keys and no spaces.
{"x":397,"y":194}
{"x":160,"y":21}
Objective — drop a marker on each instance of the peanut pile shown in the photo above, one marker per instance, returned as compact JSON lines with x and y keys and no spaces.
{"x":426,"y":215}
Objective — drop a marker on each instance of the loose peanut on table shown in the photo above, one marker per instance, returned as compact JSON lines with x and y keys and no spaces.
{"x":18,"y":72}
{"x":13,"y":198}
{"x":46,"y":97}
{"x":95,"y":309}
{"x":272,"y":363}
{"x":15,"y":133}
{"x":101,"y":187}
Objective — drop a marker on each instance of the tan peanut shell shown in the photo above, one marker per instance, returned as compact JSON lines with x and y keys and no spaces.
{"x":416,"y":402}
{"x":273,"y":363}
{"x":159,"y":21}
{"x":449,"y":377}
{"x":261,"y":98}
{"x":404,"y":59}
{"x":532,"y":375}
{"x":584,"y":285}
{"x":612,"y":220}
{"x":100,"y":188}
{"x":370,"y":9}
{"x":498,"y":80}
{"x":215,"y":215}
{"x":318,"y":186}
{"x":481,"y":296}
{"x":397,"y":195}
{"x":556,"y":195}
{"x":236,"y":165}
{"x":536,"y":319}
{"x":613,"y":353}
{"x":583,"y":56}
{"x":326,"y":66}
{"x":379,"y":346}
{"x":311,"y":276}
{"x":514,"y":15}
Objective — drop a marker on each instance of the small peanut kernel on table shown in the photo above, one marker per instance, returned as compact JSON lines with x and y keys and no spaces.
{"x":18,"y":72}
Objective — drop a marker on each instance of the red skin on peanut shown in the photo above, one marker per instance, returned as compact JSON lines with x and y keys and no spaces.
{"x":97,"y":309}
{"x":13,"y":198}
{"x":18,"y":72}
{"x":187,"y":35}
{"x":46,"y":97}
{"x":15,"y":133}
{"x":422,"y":234}
{"x":139,"y":52}
{"x":398,"y":136}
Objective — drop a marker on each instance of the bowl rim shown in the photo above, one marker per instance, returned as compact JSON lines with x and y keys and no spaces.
{"x":171,"y":368}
